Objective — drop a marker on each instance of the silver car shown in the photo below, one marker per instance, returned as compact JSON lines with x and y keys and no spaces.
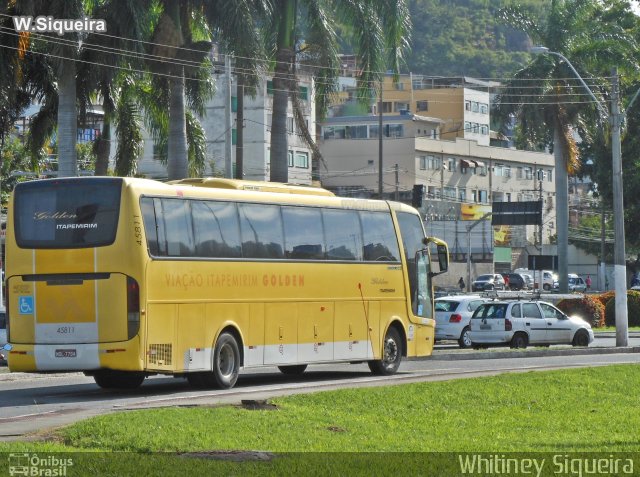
{"x":453,"y":314}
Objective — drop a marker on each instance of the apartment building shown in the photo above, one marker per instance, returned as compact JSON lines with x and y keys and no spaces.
{"x":463,"y":103}
{"x":455,"y":173}
{"x":257,"y":133}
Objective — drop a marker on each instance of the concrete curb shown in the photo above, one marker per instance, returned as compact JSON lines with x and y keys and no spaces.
{"x":449,"y":356}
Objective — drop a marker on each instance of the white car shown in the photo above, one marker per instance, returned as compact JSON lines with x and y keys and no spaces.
{"x":574,"y":284}
{"x":521,"y":323}
{"x":453,"y":314}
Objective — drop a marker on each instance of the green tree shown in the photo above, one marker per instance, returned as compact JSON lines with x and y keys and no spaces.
{"x":179,"y":38}
{"x":378,"y":29}
{"x":547,"y":98}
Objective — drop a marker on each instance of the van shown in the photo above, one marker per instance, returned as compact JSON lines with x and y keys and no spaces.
{"x":548,"y":278}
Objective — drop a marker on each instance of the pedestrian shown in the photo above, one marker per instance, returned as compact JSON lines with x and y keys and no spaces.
{"x":588,"y":282}
{"x":506,"y":282}
{"x":461,"y":284}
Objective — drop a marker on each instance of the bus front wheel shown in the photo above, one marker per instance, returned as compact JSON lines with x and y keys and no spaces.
{"x":226,"y":365}
{"x":110,"y":379}
{"x":391,"y":355}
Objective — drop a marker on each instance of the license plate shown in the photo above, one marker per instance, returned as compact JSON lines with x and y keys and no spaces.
{"x":65,"y":353}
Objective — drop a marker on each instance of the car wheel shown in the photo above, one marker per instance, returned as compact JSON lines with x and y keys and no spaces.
{"x":292,"y":370}
{"x":581,"y":338}
{"x":546,"y":287}
{"x":519,"y":340}
{"x":391,"y":355}
{"x":465,"y":338}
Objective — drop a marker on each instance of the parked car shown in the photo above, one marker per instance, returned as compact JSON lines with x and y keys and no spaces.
{"x":575,"y":284}
{"x":516,"y":281}
{"x":520,"y":323}
{"x":453,"y":314}
{"x":492,"y":281}
{"x":528,"y":279}
{"x":548,"y":277}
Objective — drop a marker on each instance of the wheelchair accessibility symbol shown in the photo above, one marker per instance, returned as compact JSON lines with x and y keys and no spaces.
{"x":26,"y":305}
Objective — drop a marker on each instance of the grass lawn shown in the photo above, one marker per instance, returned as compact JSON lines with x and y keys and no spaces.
{"x":555,"y":411}
{"x":538,"y":411}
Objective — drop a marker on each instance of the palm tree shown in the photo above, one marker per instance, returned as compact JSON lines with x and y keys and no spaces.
{"x":546,"y":95}
{"x":178,"y":36}
{"x":379,"y":30}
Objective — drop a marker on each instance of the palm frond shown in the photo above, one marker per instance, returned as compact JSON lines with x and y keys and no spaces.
{"x":197,"y":142}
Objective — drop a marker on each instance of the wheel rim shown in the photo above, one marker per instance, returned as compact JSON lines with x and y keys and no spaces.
{"x":390,"y":351}
{"x":466,"y":338}
{"x":226,"y":361}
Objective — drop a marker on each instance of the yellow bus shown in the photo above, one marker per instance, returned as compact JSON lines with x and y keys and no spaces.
{"x":123,"y":278}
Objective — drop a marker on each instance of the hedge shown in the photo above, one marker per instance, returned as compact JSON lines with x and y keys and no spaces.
{"x":633,"y":309}
{"x":588,"y":308}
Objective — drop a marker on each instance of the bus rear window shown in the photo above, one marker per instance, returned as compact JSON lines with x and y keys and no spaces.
{"x":67,"y":213}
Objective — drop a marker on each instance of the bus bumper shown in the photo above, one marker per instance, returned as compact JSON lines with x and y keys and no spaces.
{"x":124,"y":356}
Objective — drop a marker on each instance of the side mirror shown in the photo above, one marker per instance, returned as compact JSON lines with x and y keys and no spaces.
{"x":443,"y":257}
{"x":442,"y":251}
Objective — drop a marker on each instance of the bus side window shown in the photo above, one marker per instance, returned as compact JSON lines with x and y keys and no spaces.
{"x":177,"y":225}
{"x":150,"y":227}
{"x":261,"y":230}
{"x":380,"y":241}
{"x":216,"y":229}
{"x":343,"y":234}
{"x":304,"y":238}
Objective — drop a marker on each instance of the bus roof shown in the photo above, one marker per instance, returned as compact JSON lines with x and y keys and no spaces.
{"x":222,"y":183}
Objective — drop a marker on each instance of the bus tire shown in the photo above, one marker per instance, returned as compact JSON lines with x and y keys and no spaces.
{"x":110,"y":379}
{"x":391,"y":355}
{"x":225,"y":363}
{"x":293,"y":369}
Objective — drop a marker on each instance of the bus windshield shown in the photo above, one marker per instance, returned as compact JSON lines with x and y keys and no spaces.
{"x":67,"y":213}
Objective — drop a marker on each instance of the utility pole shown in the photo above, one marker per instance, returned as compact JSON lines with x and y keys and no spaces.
{"x":380,"y":141}
{"x":540,"y":174}
{"x":620,"y":264}
{"x":228,"y":172}
{"x":603,"y":279}
{"x":397,"y":194}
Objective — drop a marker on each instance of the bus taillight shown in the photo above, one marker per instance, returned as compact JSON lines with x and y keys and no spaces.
{"x":133,"y":307}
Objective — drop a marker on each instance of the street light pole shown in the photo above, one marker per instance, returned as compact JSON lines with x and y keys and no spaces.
{"x":620,"y":269}
{"x":620,"y":264}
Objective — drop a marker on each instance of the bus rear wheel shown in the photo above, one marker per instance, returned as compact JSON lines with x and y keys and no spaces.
{"x":391,"y":355}
{"x":226,"y":365}
{"x":110,"y":379}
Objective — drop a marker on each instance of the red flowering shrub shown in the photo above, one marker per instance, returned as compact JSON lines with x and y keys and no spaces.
{"x":589,"y":309}
{"x":605,"y":297}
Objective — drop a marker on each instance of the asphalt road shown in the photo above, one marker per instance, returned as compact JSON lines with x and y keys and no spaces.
{"x":31,"y":403}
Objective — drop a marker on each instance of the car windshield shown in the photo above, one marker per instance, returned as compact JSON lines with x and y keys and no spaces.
{"x":446,"y":305}
{"x":485,"y":277}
